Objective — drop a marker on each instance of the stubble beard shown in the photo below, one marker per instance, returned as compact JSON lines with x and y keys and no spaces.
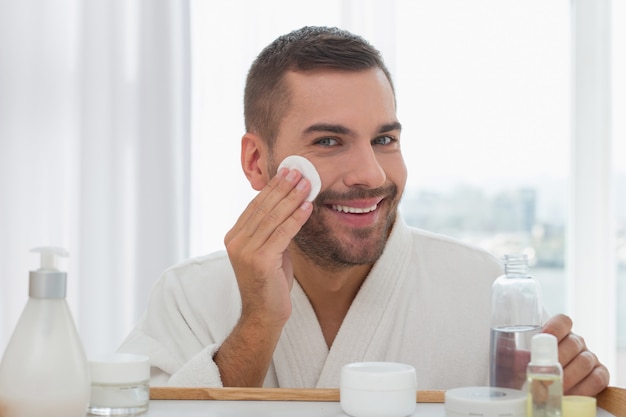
{"x":365,"y":245}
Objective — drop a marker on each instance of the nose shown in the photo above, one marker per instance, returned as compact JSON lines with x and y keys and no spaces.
{"x":363,"y":169}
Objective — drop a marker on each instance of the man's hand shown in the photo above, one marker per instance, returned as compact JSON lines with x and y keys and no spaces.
{"x":257,"y":247}
{"x":583,"y":374}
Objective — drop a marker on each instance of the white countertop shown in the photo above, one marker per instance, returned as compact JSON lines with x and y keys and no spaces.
{"x":209,"y":408}
{"x":188,"y":408}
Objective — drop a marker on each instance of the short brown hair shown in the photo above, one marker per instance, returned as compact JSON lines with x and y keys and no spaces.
{"x":266,"y":96}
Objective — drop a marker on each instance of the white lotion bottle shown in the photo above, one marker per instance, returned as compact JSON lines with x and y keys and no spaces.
{"x":44,"y":369}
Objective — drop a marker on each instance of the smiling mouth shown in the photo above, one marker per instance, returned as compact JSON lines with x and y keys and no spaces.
{"x":354,"y":210}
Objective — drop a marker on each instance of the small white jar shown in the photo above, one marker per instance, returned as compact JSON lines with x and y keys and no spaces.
{"x":378,"y":389}
{"x":486,"y":402}
{"x":120,"y":384}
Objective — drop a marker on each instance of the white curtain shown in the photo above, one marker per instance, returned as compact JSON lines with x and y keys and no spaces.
{"x":94,"y":153}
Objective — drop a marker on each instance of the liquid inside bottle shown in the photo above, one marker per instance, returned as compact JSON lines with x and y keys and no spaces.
{"x":545,"y":395}
{"x":510,"y":354}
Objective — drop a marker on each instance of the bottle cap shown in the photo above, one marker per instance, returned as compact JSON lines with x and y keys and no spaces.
{"x":378,"y":389}
{"x":485,"y":401}
{"x":48,"y":281}
{"x":119,"y":368}
{"x":544,"y":350}
{"x":579,"y":406}
{"x":382,"y":376}
{"x":516,"y":265}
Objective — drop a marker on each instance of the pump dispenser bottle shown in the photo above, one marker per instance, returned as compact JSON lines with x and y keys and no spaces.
{"x":545,"y":378}
{"x":516,"y":318}
{"x":44,"y":368}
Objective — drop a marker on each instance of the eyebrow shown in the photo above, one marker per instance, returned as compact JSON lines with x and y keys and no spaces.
{"x":342,"y":130}
{"x":389,"y":127}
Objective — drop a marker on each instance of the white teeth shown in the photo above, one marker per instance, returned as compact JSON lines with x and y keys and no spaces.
{"x":355,"y":210}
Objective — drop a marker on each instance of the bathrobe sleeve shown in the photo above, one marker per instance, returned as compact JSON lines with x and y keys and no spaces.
{"x":192,"y":309}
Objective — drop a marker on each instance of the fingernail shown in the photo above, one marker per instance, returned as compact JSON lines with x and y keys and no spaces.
{"x":301,"y":184}
{"x":292,"y":175}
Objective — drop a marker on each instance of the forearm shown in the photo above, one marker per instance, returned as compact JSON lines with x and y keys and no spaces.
{"x":257,"y":247}
{"x":245,"y":356}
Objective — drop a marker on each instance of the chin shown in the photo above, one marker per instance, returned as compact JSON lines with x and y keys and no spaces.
{"x":339,"y":247}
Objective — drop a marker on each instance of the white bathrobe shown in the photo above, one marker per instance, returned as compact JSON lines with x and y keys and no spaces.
{"x":426,"y":302}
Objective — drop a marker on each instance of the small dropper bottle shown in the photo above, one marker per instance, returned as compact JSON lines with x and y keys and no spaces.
{"x":545,"y":378}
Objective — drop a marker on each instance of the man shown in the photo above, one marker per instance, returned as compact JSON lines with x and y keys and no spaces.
{"x":307,"y":287}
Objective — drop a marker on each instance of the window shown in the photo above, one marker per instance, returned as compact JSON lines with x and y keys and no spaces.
{"x":484,"y":93}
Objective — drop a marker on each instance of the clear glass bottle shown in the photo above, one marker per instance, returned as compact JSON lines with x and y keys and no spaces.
{"x":44,"y":368}
{"x":516,"y":318}
{"x":545,"y":378}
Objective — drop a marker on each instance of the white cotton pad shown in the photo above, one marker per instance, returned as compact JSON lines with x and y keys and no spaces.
{"x":307,"y":169}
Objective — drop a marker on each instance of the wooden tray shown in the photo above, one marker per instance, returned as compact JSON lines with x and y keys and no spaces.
{"x":267,"y":394}
{"x":612,"y":399}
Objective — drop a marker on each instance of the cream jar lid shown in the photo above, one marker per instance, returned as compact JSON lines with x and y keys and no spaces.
{"x":579,"y":406}
{"x":378,"y":376}
{"x":486,"y":401}
{"x":119,"y":368}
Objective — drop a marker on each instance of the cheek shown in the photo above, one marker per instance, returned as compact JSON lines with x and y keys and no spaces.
{"x":403,"y":174}
{"x":396,"y":171}
{"x":328,"y":172}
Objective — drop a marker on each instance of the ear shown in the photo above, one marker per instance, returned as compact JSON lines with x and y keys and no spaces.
{"x":254,"y":158}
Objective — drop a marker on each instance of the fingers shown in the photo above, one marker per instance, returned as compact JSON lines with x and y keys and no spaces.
{"x":583,"y":374}
{"x":283,"y":212}
{"x":560,"y":326}
{"x":592,"y":384}
{"x":578,"y":368}
{"x":257,"y":247}
{"x":570,"y":347}
{"x":540,"y":391}
{"x":255,"y":203}
{"x":274,"y":211}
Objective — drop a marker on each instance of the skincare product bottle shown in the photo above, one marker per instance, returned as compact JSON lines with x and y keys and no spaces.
{"x":516,"y":318}
{"x":545,"y":378}
{"x":44,"y":369}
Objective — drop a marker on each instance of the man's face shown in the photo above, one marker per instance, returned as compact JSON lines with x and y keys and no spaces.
{"x":345,"y":123}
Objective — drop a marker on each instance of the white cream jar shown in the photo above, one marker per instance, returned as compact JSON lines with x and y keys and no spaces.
{"x":119,"y":384}
{"x":485,"y":402}
{"x":378,"y":389}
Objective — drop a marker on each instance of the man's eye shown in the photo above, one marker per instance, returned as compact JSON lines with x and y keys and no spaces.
{"x":383,"y":140}
{"x":326,"y":141}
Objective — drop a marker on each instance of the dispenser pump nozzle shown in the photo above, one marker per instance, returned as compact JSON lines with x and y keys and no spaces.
{"x":49,"y":256}
{"x":48,"y":281}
